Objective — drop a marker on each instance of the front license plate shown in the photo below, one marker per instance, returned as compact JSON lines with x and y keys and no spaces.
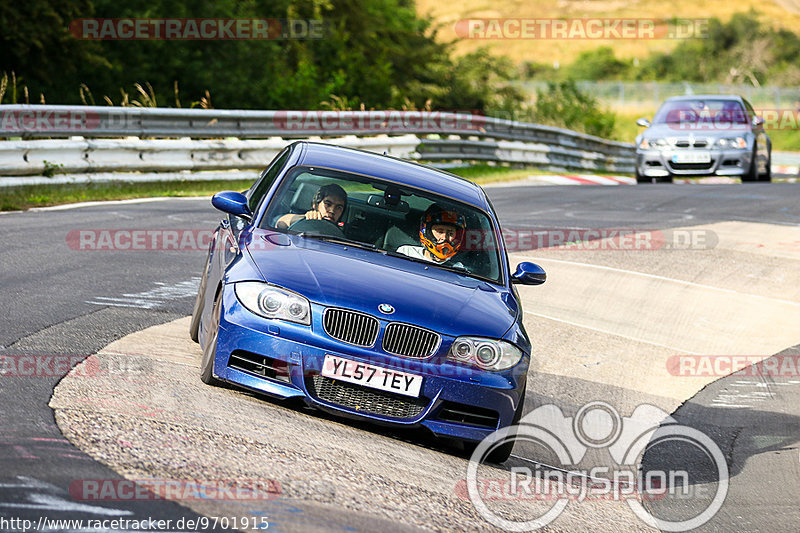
{"x":371,"y":376}
{"x":692,"y":157}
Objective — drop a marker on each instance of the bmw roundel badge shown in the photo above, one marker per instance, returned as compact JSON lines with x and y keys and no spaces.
{"x":386,"y":309}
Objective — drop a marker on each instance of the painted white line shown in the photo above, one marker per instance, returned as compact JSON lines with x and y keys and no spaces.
{"x":607,"y":180}
{"x":152,"y":298}
{"x":605,"y":331}
{"x":656,"y":276}
{"x":559,"y":179}
{"x":114,"y":202}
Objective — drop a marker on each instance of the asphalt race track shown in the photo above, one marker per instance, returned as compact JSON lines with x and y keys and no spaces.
{"x":649,"y":326}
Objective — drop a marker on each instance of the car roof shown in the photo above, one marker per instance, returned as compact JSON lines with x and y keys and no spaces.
{"x":706,"y":97}
{"x":392,"y":169}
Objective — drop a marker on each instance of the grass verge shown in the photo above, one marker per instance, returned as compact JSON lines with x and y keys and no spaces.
{"x":27,"y":196}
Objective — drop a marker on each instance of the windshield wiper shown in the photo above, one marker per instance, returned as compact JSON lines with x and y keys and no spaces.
{"x":338,"y":240}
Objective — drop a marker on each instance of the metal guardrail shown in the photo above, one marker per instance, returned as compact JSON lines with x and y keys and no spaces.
{"x":438,"y":136}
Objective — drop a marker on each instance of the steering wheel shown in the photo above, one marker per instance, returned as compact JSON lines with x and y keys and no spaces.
{"x":319,"y":227}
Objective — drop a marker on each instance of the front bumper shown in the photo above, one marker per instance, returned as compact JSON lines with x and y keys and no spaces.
{"x":662,"y":163}
{"x":284,"y":360}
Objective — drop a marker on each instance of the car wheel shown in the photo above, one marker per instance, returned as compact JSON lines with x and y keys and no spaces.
{"x":639,"y":177}
{"x":197,"y":310}
{"x":768,"y":170}
{"x":752,"y":172}
{"x":210,"y":349}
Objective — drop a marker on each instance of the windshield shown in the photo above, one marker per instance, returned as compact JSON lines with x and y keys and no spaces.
{"x":701,"y":111}
{"x":385,"y":217}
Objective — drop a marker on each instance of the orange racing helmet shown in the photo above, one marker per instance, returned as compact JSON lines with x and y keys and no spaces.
{"x":434,"y":215}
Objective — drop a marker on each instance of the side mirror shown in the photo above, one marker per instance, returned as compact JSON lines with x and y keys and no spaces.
{"x":529,"y":274}
{"x":643,"y":122}
{"x":233,"y":203}
{"x":757,"y":121}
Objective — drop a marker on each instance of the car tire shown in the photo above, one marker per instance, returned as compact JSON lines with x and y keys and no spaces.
{"x":210,"y":349}
{"x":752,"y":172}
{"x":639,"y":177}
{"x":768,"y":174}
{"x":197,"y":310}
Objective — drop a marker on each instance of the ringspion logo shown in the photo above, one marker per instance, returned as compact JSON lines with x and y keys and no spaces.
{"x":626,"y":440}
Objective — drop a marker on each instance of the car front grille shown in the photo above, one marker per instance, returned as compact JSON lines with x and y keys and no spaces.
{"x":691,"y":166}
{"x":468,"y":415}
{"x":686,"y":143}
{"x":260,"y":365}
{"x":365,"y":400}
{"x":406,"y":340}
{"x":350,"y":327}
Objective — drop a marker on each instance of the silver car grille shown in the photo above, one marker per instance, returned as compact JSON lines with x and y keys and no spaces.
{"x":406,"y":340}
{"x":691,"y":143}
{"x":350,"y":327}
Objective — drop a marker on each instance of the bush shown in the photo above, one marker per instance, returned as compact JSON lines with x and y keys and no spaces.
{"x":563,"y":105}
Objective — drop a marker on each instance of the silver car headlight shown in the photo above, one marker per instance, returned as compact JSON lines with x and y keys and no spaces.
{"x":487,"y":354}
{"x":270,"y":301}
{"x":733,"y":142}
{"x":646,"y":144}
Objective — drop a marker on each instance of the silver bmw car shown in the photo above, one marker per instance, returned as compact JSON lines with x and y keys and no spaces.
{"x":703,"y":135}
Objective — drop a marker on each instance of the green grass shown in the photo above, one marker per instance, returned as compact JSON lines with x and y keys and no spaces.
{"x":488,"y":174}
{"x":483,"y":174}
{"x":24,"y":197}
{"x":786,"y":140}
{"x":28,"y":196}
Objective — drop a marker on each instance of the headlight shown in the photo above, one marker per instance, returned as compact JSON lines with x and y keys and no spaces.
{"x":270,"y":301}
{"x":653,"y":143}
{"x":734,"y":142}
{"x":487,"y":354}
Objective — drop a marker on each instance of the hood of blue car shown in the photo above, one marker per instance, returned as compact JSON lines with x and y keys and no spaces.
{"x":337,"y":276}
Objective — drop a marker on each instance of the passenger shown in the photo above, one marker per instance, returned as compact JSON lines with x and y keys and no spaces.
{"x":441,"y":233}
{"x":328,"y":204}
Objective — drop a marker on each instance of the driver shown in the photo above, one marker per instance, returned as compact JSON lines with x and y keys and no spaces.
{"x":328,"y":204}
{"x":441,"y":233}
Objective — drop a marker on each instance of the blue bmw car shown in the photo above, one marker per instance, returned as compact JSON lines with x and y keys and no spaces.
{"x":371,"y":287}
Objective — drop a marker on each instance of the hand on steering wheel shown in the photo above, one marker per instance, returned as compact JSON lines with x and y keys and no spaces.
{"x":319,"y":226}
